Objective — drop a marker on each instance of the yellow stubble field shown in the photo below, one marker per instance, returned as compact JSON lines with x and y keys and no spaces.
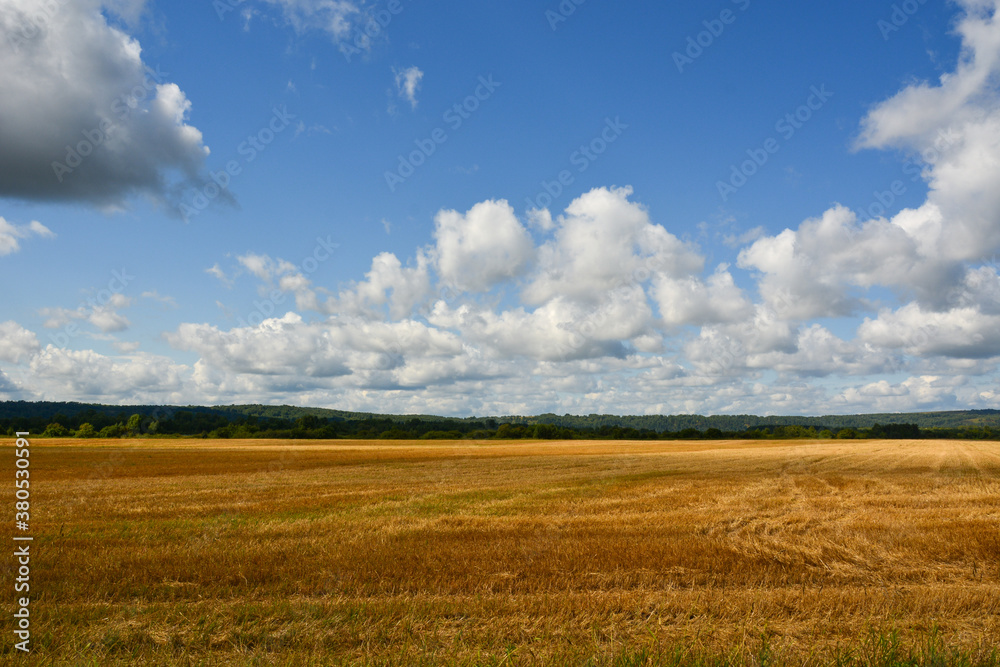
{"x":495,"y":553}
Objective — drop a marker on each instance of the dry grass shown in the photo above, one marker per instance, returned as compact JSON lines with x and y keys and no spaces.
{"x":270,"y":552}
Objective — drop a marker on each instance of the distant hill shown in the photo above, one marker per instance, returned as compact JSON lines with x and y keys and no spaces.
{"x":675,"y":423}
{"x":47,"y":410}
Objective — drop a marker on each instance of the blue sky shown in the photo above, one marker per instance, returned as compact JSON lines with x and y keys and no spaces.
{"x":494,"y":208}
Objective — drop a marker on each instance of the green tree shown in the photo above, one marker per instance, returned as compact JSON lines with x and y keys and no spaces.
{"x":308,"y":422}
{"x":134,"y":425}
{"x":55,"y":430}
{"x":112,"y":431}
{"x":86,"y":430}
{"x":545,"y":431}
{"x":512,"y":431}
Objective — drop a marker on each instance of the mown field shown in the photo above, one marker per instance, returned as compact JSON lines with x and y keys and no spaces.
{"x":494,"y":553}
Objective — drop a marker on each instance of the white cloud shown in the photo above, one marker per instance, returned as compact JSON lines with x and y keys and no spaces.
{"x":10,"y":234}
{"x":16,"y":342}
{"x":167,"y":301}
{"x":283,"y":275}
{"x":404,"y":289}
{"x":602,"y":242}
{"x":726,"y":350}
{"x":541,"y":218}
{"x":278,"y":346}
{"x":84,"y":118}
{"x":823,"y":268}
{"x":9,"y":390}
{"x":125,"y":347}
{"x":343,"y":352}
{"x":691,"y":301}
{"x":980,"y":289}
{"x":559,"y":330}
{"x":86,"y":375}
{"x":961,"y":332}
{"x":408,"y":83}
{"x":486,"y":246}
{"x":102,"y":314}
{"x":819,"y":353}
{"x":216,"y":270}
{"x":335,"y":17}
{"x":810,"y":272}
{"x":107,"y":320}
{"x":354,"y":26}
{"x":913,"y":394}
{"x":918,"y":112}
{"x":954,"y":128}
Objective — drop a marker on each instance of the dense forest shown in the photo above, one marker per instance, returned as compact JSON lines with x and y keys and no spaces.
{"x":48,"y":419}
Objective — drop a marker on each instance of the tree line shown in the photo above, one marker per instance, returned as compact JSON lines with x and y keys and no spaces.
{"x":164,"y":422}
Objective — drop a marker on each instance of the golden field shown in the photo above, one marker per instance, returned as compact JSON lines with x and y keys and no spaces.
{"x":497,"y":553}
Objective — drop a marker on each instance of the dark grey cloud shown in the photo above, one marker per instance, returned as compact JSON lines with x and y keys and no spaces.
{"x":82,"y":117}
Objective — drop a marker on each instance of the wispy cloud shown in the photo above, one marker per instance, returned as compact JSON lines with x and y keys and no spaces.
{"x":408,"y":83}
{"x":11,"y":235}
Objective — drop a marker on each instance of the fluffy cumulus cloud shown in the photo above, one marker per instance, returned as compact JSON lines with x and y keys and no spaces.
{"x":85,"y":374}
{"x":17,"y":342}
{"x":560,"y":330}
{"x":283,"y":346}
{"x":952,"y":128}
{"x":693,"y":301}
{"x":964,"y":333}
{"x":388,"y":284}
{"x":336,"y":354}
{"x":85,"y":118}
{"x":602,"y":242}
{"x":481,"y":248}
{"x":822,"y":268}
